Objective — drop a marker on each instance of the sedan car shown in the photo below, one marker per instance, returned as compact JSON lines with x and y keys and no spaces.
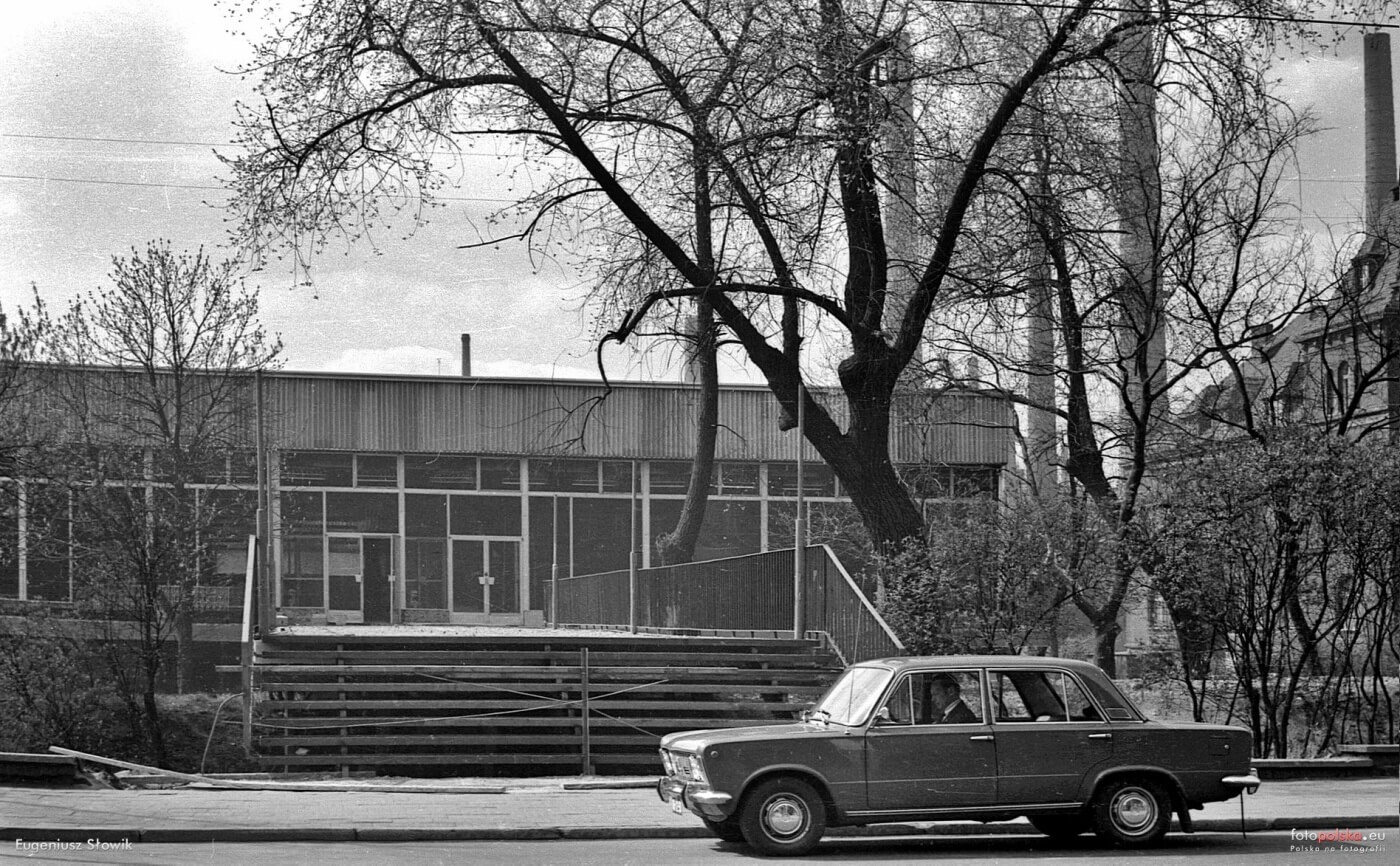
{"x":986,"y":738}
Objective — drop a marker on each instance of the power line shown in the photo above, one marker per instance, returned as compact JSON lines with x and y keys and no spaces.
{"x":150,"y":185}
{"x":115,"y":140}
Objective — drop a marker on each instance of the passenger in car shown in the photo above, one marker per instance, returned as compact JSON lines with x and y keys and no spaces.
{"x":947,"y":697}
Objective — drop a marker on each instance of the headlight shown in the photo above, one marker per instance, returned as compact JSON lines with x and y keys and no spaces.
{"x":667,"y":764}
{"x":697,"y":773}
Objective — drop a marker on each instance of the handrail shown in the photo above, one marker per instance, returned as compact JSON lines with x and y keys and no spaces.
{"x":247,"y":649}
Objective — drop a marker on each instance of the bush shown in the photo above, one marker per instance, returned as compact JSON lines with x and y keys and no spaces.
{"x":52,"y":692}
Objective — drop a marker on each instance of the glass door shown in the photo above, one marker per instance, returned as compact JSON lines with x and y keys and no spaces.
{"x":345,"y":579}
{"x":485,"y":577}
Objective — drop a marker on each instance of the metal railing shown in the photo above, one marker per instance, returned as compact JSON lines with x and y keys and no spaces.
{"x":742,"y":593}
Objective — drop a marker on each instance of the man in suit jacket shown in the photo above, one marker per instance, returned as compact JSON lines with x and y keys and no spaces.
{"x":947,"y":698}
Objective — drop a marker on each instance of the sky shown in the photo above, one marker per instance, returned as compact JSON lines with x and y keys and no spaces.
{"x":110,"y":115}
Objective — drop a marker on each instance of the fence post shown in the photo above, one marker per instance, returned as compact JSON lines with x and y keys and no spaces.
{"x":587,"y":743}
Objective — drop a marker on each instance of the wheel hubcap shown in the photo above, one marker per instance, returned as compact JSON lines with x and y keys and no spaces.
{"x":1134,"y":810}
{"x":784,"y":816}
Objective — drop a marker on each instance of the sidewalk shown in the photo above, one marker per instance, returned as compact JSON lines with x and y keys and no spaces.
{"x":541,"y":809}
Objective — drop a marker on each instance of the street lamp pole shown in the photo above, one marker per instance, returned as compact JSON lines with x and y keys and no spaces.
{"x":799,"y":536}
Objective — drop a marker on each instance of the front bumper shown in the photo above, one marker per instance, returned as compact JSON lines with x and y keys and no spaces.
{"x":700,"y":799}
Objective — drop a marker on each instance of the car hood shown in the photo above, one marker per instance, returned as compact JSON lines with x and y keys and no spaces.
{"x":695,"y":741}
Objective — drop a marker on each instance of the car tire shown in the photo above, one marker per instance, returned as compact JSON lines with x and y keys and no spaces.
{"x":1132,"y":812}
{"x":727,"y":830}
{"x":782,"y":817}
{"x":1062,"y":827}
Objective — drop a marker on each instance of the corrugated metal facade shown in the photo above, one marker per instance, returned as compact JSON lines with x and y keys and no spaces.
{"x":343,"y":412}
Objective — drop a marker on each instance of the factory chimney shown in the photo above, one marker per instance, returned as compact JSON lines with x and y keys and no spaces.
{"x":1380,"y":128}
{"x":466,"y":355}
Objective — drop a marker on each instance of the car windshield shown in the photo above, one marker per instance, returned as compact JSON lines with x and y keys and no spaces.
{"x":853,"y":696}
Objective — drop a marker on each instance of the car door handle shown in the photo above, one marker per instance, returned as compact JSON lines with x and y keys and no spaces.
{"x":1100,"y":736}
{"x":981,"y":737}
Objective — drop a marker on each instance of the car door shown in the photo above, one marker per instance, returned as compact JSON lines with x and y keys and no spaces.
{"x":1049,"y":735}
{"x":915,"y":761}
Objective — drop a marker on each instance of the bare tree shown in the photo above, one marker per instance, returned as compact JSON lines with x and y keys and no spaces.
{"x":726,"y":151}
{"x":1130,"y":314}
{"x":149,"y":382}
{"x":1284,"y":548}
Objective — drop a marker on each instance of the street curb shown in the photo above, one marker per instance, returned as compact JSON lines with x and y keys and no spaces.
{"x":504,"y":834}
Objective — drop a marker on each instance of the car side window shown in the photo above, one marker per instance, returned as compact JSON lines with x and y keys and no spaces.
{"x":899,"y":706}
{"x":1041,"y":696}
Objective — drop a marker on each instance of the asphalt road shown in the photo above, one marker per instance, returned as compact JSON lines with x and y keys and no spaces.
{"x":1380,"y":846}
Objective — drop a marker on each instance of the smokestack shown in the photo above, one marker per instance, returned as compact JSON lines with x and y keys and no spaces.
{"x":1380,"y":127}
{"x":466,"y":355}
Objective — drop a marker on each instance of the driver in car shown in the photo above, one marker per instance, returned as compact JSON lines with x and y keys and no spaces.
{"x":946,"y":695}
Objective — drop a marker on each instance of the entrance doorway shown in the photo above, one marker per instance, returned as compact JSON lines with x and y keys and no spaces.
{"x":485,"y":578}
{"x":360,"y":576}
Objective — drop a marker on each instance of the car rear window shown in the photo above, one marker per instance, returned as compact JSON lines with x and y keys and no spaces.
{"x":1114,"y":702}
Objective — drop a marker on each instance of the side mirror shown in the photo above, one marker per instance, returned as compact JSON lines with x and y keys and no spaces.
{"x":882,"y":716}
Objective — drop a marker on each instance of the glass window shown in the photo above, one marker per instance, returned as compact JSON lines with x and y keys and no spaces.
{"x":1041,"y":696}
{"x":500,"y":474}
{"x":229,"y":515}
{"x":302,"y":572}
{"x":425,"y":515}
{"x":936,"y":698}
{"x":1114,"y":702}
{"x":9,"y":541}
{"x":670,"y":476}
{"x":317,"y":469}
{"x":47,"y":549}
{"x":243,"y":467}
{"x":782,"y":517}
{"x":817,"y":479}
{"x":485,"y":515}
{"x":362,"y":512}
{"x":376,"y":470}
{"x":664,"y":514}
{"x":439,"y":471}
{"x":852,"y":697}
{"x":731,"y":528}
{"x":425,"y":583}
{"x":301,"y":513}
{"x":228,"y":565}
{"x":564,"y":475}
{"x":970,"y":482}
{"x":738,"y":479}
{"x":549,"y":545}
{"x":602,"y":535}
{"x":617,"y":476}
{"x":926,"y":481}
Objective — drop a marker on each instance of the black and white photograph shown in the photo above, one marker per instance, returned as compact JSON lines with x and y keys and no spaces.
{"x":698,"y":431}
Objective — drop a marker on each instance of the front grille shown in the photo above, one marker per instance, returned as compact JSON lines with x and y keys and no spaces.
{"x":678,"y":764}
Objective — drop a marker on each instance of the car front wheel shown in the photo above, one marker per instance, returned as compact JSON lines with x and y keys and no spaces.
{"x":783,"y":817}
{"x":1132,"y":812}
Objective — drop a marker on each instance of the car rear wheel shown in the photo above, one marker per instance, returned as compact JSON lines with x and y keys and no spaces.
{"x":783,"y":817}
{"x":1132,"y":812}
{"x":1061,"y":826}
{"x":728,"y":829}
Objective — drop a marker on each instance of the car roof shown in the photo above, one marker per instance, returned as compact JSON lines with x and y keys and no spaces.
{"x":982,"y":661}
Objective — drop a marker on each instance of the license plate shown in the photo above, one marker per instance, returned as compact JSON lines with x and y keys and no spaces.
{"x":677,"y":806}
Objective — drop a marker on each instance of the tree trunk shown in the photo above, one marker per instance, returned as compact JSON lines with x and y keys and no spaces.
{"x":678,"y":545}
{"x":1106,"y":631}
